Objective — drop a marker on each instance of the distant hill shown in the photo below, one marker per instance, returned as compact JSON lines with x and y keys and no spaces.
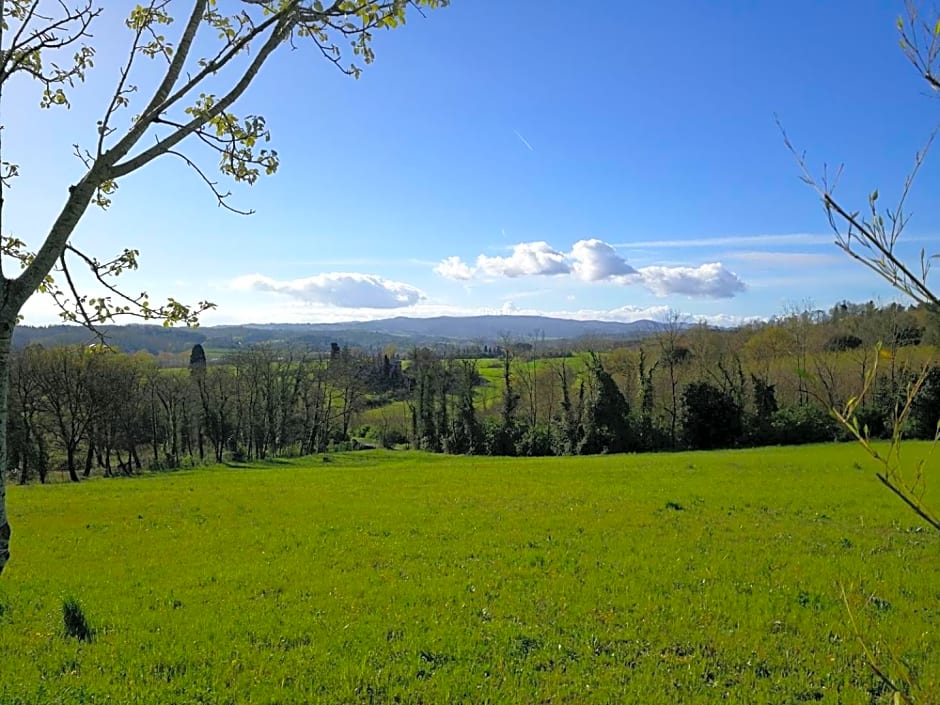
{"x":441,"y":330}
{"x":488,"y":328}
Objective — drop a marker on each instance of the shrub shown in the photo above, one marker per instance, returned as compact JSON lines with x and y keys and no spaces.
{"x":535,"y":441}
{"x":925,"y":411}
{"x":391,"y":437}
{"x":842,"y":342}
{"x":875,"y":419}
{"x":795,"y":425}
{"x":499,"y":439}
{"x":366,"y":431}
{"x":711,"y":418}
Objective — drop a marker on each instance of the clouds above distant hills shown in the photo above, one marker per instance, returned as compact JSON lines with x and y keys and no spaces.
{"x":454,"y":268}
{"x":711,"y":280}
{"x":597,"y":261}
{"x":340,"y":289}
{"x":527,"y":259}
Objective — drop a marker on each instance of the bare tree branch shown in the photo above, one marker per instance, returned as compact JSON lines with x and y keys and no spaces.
{"x":220,"y":197}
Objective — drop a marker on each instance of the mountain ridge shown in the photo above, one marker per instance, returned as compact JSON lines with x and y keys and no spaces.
{"x":437,"y":330}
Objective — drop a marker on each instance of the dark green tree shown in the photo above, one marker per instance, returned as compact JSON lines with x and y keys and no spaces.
{"x":197,"y":361}
{"x":607,"y":417}
{"x":711,"y":418}
{"x":925,"y":409}
{"x":466,"y":436}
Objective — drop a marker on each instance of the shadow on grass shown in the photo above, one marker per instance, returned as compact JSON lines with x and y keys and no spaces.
{"x":257,"y":464}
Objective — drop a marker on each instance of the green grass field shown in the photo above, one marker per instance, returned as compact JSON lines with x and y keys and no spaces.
{"x":393,"y":577}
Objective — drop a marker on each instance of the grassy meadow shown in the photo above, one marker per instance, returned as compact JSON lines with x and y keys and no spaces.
{"x":401,"y":577}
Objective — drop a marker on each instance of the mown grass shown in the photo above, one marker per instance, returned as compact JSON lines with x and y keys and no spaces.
{"x":391,"y":577}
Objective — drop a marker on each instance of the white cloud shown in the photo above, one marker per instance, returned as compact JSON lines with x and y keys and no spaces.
{"x":527,"y":259}
{"x":712,"y":280}
{"x":629,"y":313}
{"x":595,"y":260}
{"x":454,"y":268}
{"x":340,"y":289}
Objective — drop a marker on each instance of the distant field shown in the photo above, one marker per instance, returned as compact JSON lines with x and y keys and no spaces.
{"x":488,"y":394}
{"x":393,"y":577}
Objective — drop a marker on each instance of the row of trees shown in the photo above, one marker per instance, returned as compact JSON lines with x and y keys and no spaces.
{"x":90,"y":409}
{"x":689,"y":386}
{"x":86,"y":410}
{"x":579,"y":406}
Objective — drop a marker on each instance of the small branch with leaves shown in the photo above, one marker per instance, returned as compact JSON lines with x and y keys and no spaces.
{"x":908,"y":485}
{"x":118,"y":302}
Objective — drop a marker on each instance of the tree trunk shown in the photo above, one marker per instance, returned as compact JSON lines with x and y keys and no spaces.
{"x":154,"y":441}
{"x":43,"y":459}
{"x":70,"y":461}
{"x":89,"y":457}
{"x":24,"y":461}
{"x":6,"y":336}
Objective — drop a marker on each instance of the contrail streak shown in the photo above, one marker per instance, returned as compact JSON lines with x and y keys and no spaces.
{"x":524,"y":141}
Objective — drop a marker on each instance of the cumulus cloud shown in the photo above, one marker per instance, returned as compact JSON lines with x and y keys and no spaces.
{"x":597,"y":261}
{"x":527,"y":259}
{"x":340,"y":289}
{"x":594,"y":260}
{"x":454,"y":268}
{"x":712,"y":280}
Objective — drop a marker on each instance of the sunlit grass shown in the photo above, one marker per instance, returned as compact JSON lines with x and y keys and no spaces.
{"x":384,"y":577}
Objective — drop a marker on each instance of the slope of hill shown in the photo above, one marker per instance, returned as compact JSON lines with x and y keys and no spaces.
{"x":488,"y":328}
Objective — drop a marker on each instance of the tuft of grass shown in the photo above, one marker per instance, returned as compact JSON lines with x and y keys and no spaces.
{"x":74,"y":620}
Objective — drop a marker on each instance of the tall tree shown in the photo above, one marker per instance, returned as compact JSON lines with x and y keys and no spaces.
{"x":64,"y":382}
{"x":191,"y":100}
{"x":568,"y":424}
{"x":672,"y":357}
{"x":26,"y":402}
{"x":607,"y":419}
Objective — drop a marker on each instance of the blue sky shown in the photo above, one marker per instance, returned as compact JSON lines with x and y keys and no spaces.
{"x":522,"y":156}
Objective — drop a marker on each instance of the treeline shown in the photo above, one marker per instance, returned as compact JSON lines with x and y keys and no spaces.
{"x":572,"y":407}
{"x":89,"y":410}
{"x":686,"y":387}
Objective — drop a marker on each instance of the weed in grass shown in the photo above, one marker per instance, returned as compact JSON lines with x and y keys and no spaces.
{"x":74,"y":620}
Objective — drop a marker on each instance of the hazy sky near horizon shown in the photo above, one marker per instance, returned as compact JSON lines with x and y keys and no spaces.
{"x":523,"y":157}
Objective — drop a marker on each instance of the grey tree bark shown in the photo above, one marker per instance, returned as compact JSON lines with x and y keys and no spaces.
{"x":6,"y":337}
